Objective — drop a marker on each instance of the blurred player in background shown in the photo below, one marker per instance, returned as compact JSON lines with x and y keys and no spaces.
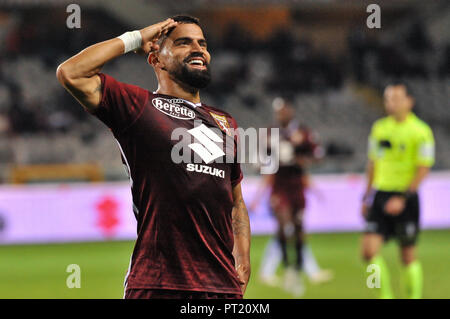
{"x":401,"y":152}
{"x":298,"y":149}
{"x":193,"y":229}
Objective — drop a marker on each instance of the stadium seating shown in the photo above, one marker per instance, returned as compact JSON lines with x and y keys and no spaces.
{"x":40,"y":122}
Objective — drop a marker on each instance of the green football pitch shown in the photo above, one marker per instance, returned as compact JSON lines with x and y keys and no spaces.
{"x":39,"y":271}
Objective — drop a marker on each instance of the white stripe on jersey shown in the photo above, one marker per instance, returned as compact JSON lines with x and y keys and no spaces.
{"x":125,"y":282}
{"x":127,"y":168}
{"x":126,"y":162}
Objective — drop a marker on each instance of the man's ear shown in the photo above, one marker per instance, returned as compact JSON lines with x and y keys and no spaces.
{"x":152,"y":59}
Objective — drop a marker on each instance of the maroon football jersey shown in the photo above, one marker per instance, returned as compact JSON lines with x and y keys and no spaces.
{"x":183,"y":210}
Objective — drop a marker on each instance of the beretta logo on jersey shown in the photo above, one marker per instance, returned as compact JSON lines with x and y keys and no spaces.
{"x":172,"y":109}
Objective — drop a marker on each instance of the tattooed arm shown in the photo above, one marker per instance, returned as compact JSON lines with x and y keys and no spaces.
{"x":241,"y":232}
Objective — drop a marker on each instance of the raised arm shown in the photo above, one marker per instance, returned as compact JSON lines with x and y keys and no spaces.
{"x":79,"y":74}
{"x":241,"y":232}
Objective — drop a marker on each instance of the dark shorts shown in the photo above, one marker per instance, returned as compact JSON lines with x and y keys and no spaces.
{"x":176,"y":294}
{"x":404,"y":227}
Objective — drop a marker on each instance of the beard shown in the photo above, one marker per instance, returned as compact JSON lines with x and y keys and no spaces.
{"x":196,"y":79}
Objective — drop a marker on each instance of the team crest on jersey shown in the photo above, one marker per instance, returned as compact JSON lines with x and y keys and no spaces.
{"x":173,"y":109}
{"x":222,"y":122}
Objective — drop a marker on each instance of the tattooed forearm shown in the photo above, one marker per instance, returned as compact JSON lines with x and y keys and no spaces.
{"x":241,"y":232}
{"x":240,"y":220}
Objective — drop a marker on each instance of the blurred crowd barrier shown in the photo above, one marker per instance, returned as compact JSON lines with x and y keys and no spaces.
{"x":55,"y":172}
{"x":40,"y":213}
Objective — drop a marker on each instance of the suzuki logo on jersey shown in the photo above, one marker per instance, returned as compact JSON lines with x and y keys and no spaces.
{"x":207,"y":149}
{"x":204,"y":144}
{"x":172,"y":109}
{"x":205,"y":170}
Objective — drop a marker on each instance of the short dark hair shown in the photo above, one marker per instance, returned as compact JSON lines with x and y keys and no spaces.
{"x":404,"y":84}
{"x":181,"y":19}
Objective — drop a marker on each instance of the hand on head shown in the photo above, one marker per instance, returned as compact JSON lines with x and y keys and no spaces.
{"x":151,"y":35}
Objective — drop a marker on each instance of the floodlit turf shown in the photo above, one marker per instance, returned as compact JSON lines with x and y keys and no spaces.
{"x":39,"y":271}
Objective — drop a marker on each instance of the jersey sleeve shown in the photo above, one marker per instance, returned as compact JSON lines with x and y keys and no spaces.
{"x":426,"y":147}
{"x":236,"y":172}
{"x":121,"y":104}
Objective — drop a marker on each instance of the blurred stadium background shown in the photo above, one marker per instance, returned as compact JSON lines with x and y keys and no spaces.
{"x":65,"y":199}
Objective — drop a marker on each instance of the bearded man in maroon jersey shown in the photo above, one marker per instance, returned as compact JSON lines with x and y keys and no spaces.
{"x":193,"y":233}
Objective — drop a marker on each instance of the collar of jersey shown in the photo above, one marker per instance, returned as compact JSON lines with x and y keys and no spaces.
{"x":411,"y":116}
{"x":194,"y":105}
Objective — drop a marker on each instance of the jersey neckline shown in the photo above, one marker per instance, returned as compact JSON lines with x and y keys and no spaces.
{"x":194,"y":105}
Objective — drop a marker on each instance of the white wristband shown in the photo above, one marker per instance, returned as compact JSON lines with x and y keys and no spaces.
{"x":132,"y":40}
